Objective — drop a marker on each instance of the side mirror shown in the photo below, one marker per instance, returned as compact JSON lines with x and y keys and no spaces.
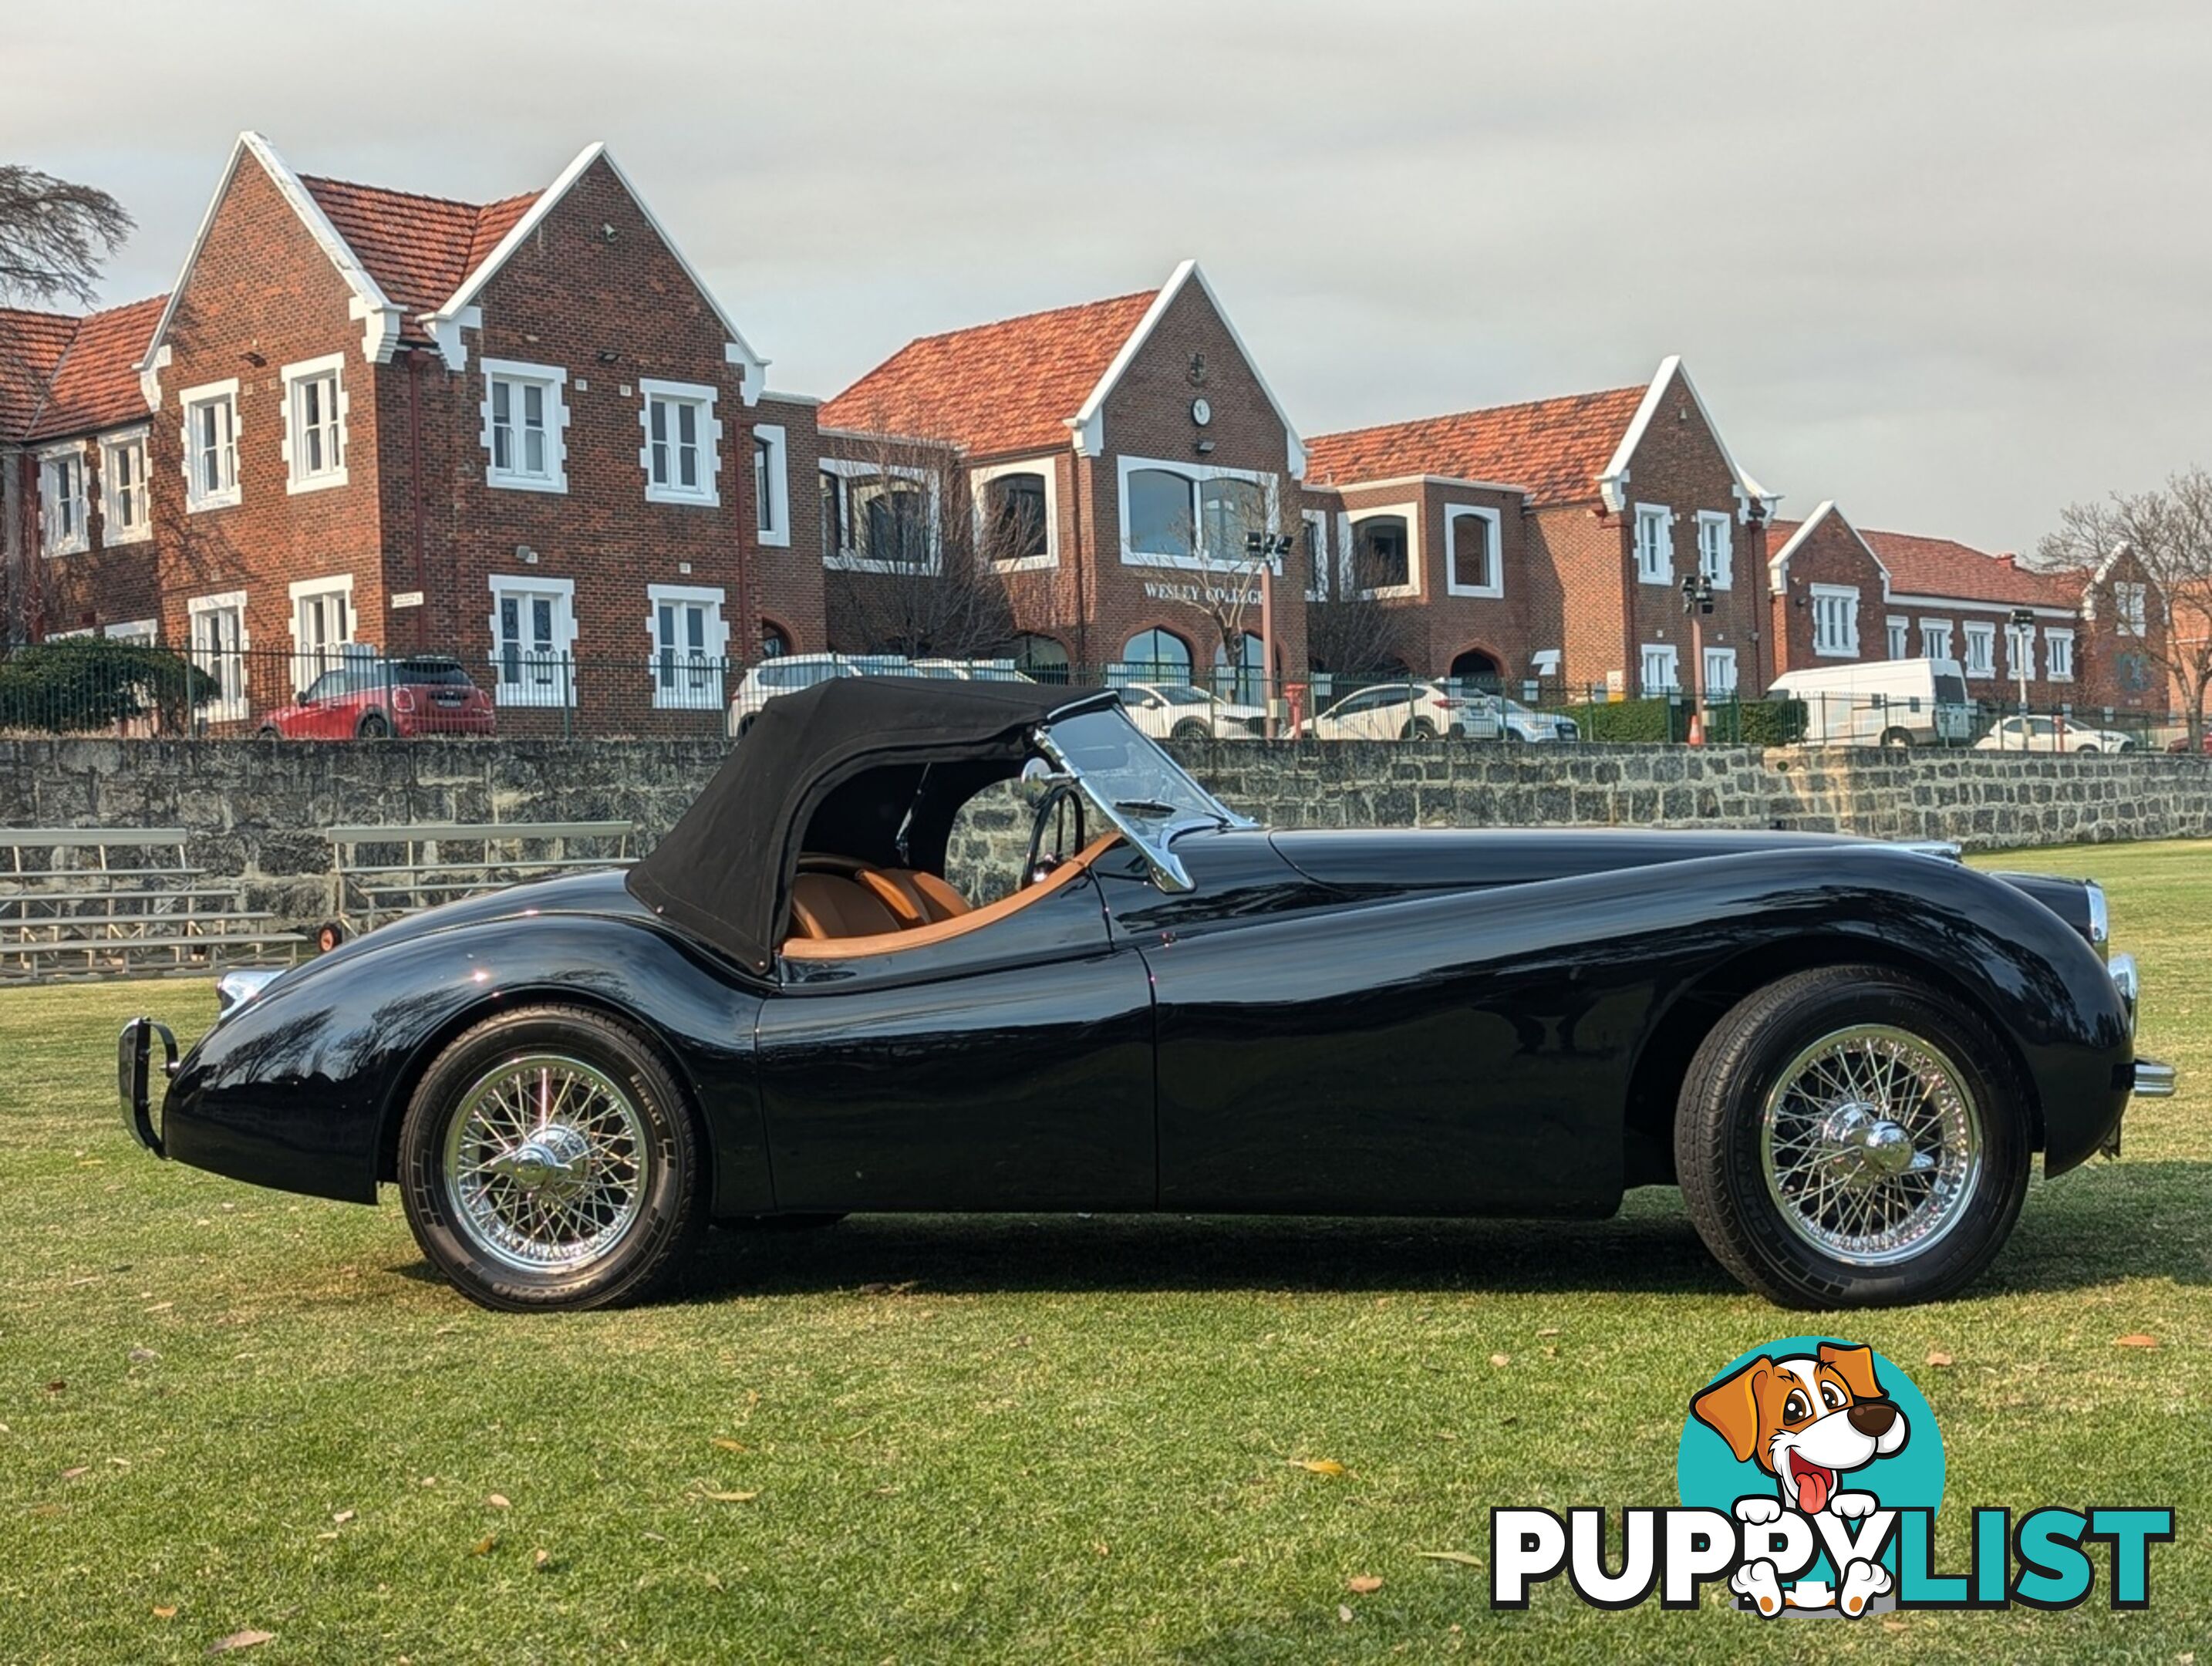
{"x":300,"y":696}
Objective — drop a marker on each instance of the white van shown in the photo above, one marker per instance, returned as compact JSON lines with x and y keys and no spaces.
{"x":1881,"y":703}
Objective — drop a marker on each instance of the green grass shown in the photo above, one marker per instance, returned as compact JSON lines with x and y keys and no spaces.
{"x":1007,"y":1440}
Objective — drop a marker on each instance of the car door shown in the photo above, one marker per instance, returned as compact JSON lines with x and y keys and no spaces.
{"x":1343,"y":721}
{"x":1006,"y":1065}
{"x":317,"y":702}
{"x":1146,"y":710}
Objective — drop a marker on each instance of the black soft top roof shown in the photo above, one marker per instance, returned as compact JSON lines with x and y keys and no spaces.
{"x":724,"y":871}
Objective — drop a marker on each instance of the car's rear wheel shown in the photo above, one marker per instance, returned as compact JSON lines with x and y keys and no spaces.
{"x":1419,"y":729}
{"x":549,"y":1159}
{"x":1849,"y":1137}
{"x":269,"y":731}
{"x":374,"y":726}
{"x":1898,"y":739}
{"x":2087,"y":752}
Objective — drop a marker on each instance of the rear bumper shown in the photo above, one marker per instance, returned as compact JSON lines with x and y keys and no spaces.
{"x":134,"y":1078}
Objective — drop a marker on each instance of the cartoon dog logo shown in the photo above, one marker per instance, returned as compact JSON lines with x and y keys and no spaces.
{"x":1808,"y":1420}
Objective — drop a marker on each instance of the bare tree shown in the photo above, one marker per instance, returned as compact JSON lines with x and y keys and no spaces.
{"x":2167,"y":531}
{"x":918,"y":565}
{"x":1350,"y":631}
{"x":55,"y":236}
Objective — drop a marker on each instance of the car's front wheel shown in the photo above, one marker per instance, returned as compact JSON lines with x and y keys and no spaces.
{"x":1191,"y":728}
{"x":1849,"y":1137}
{"x":549,"y":1159}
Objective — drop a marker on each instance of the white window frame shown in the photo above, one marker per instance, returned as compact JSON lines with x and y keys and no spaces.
{"x":298,"y":379}
{"x":1898,"y":632}
{"x":148,"y":631}
{"x":553,"y":380}
{"x":1716,"y":657}
{"x":700,"y":690}
{"x":773,"y":486}
{"x":55,"y":463}
{"x":675,"y":397}
{"x":559,"y":688}
{"x":1318,"y":519}
{"x":1931,"y":629}
{"x":111,"y":532}
{"x":330,"y":654}
{"x":198,"y":497}
{"x":1348,"y":565}
{"x":979,"y":481}
{"x":1717,"y":548}
{"x":1654,"y":556}
{"x":1199,"y":474}
{"x":2058,"y":654}
{"x":1847,"y":595}
{"x":235,"y":702}
{"x":849,"y":471}
{"x":1494,"y":553}
{"x":1671,"y":656}
{"x":2131,"y":609}
{"x":1981,"y":633}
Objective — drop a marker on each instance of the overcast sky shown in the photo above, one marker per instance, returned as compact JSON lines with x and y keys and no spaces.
{"x":1945,"y":263}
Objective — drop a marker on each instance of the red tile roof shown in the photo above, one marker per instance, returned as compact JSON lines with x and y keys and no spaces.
{"x":419,"y":249}
{"x":31,"y":346}
{"x":1941,"y":567}
{"x":1554,"y":449}
{"x":96,"y":385}
{"x":998,"y":387}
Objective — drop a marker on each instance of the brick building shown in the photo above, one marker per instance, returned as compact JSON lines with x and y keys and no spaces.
{"x":521,"y":431}
{"x":1113,"y":456}
{"x":1549,"y":539}
{"x":1841,"y":593}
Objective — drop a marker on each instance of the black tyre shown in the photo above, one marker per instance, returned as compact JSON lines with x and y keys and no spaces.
{"x":549,"y":1159}
{"x":1190,"y":728}
{"x":269,"y":731}
{"x":1419,"y":729}
{"x":1849,"y":1137}
{"x":2087,"y":752}
{"x":374,"y":726}
{"x":1899,"y":739}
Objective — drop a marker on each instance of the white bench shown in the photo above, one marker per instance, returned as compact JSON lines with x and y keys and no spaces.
{"x":442,"y":861}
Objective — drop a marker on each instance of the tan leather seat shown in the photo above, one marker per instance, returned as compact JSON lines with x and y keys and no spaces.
{"x":829,"y":905}
{"x":917,"y":898}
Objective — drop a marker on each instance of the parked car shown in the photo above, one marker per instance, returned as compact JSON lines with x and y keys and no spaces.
{"x":1881,"y":703}
{"x":788,"y":674}
{"x":973,"y":671}
{"x":1406,"y":711}
{"x":2052,"y":734}
{"x":1519,"y":722}
{"x":1846,"y":1053}
{"x":2180,"y":743}
{"x":371,"y":698}
{"x":1186,"y":712}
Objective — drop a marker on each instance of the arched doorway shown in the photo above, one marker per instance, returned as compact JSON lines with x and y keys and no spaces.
{"x":1041,"y":659}
{"x":775,"y":640}
{"x":1244,"y":683}
{"x":1478,"y":669}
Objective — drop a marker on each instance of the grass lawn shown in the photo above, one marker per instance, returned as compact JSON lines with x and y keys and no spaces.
{"x":224,"y":1409}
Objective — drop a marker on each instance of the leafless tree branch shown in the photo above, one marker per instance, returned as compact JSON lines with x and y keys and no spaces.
{"x":55,"y":236}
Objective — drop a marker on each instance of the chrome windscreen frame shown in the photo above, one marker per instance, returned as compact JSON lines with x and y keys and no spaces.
{"x":1150,"y":836}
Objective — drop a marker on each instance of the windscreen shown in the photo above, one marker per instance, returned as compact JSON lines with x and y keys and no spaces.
{"x":1138,"y":786}
{"x":1950,"y":690}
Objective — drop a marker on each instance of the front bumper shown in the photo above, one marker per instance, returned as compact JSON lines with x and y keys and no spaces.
{"x":134,"y":1077}
{"x":2152,"y":1079}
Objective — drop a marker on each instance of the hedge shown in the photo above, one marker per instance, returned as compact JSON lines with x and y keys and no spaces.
{"x":80,"y":683}
{"x":1747,"y":722}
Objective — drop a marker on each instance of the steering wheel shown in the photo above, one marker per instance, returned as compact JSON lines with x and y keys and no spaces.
{"x":1061,"y":811}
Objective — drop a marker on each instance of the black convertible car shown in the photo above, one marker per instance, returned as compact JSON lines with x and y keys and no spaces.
{"x":1845,"y":1053}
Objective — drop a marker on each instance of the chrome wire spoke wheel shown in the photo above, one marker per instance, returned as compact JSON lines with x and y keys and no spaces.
{"x":1871,"y":1144}
{"x":547,"y":1163}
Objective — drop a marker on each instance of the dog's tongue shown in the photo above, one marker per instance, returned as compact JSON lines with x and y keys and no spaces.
{"x":1812,"y":1490}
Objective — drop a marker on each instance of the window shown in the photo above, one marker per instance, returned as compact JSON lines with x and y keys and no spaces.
{"x":871,"y":522}
{"x":210,"y":444}
{"x":1245,"y":682}
{"x":1177,"y":516}
{"x":322,"y":625}
{"x":533,"y":632}
{"x":1156,"y":656}
{"x":774,"y":641}
{"x":772,"y":483}
{"x":1474,"y":565}
{"x":689,"y":642}
{"x":1314,"y":545}
{"x":124,"y":513}
{"x":314,"y":427}
{"x":1381,"y":557}
{"x":524,"y":416}
{"x":1014,"y":515}
{"x":1981,"y":650}
{"x":1660,"y":674}
{"x":1042,"y":659}
{"x":2130,"y":609}
{"x":2058,"y":649}
{"x":1720,"y":673}
{"x":834,"y":539}
{"x":1836,"y":621}
{"x":1654,"y":544}
{"x":218,"y":643}
{"x":1716,"y":548}
{"x":683,"y":441}
{"x":146,"y":631}
{"x":1900,"y":638}
{"x":61,"y":501}
{"x":1935,"y":639}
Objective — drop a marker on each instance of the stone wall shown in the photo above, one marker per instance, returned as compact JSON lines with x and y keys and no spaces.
{"x":253,"y":809}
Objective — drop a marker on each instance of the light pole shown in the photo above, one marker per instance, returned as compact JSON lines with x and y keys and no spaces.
{"x":2023,"y":645}
{"x":1697,"y":602}
{"x":1265,"y":548}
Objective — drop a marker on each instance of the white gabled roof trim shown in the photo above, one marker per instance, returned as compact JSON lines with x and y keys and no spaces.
{"x":1612,"y":484}
{"x":1778,"y":564}
{"x":370,"y":305}
{"x":1089,"y":424}
{"x":443,"y":323}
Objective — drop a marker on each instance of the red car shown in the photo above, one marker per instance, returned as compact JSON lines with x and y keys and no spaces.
{"x":422,"y":694}
{"x":2180,"y":743}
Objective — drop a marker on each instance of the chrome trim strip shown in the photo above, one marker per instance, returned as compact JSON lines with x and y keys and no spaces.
{"x":2101,"y":915}
{"x":2130,"y":984}
{"x":2155,"y":1081}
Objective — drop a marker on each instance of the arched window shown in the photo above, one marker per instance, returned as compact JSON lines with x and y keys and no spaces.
{"x":1382,"y":553}
{"x":1246,"y":681}
{"x":775,"y":641}
{"x":1156,"y":656}
{"x":1473,"y":555}
{"x":1041,"y":657}
{"x":1014,"y":518}
{"x":1230,"y":510}
{"x":897,"y":522}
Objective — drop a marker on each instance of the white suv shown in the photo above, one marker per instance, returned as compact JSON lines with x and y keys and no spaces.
{"x":788,"y":674}
{"x":1184,"y":712}
{"x":1404,"y":711}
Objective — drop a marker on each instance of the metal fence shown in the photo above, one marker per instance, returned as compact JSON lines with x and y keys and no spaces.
{"x":94,"y":686}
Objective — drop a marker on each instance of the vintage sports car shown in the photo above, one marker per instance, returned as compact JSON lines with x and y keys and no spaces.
{"x":1845,"y":1053}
